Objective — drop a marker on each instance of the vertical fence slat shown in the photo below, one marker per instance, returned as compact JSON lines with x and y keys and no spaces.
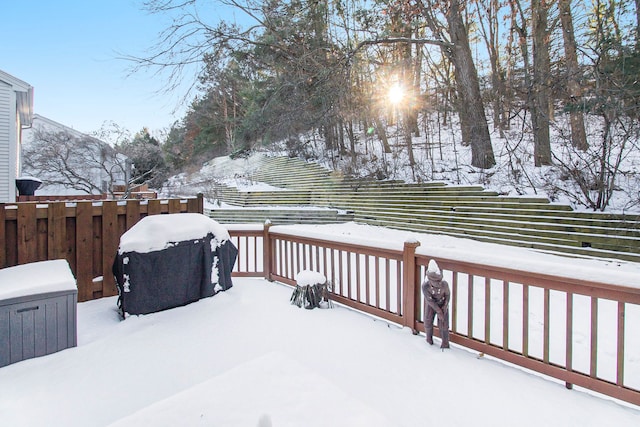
{"x":340,"y":272}
{"x":358,"y":276}
{"x":470,"y":305}
{"x":303,"y":249}
{"x":57,"y":230}
{"x":366,"y":279}
{"x":348,"y":254}
{"x":487,"y":310}
{"x":593,"y":359}
{"x":110,"y":242}
{"x":196,"y":204}
{"x":387,"y":289}
{"x":377,"y":281}
{"x":399,"y":290}
{"x":42,"y":238}
{"x":277,"y":247}
{"x":84,"y":250}
{"x":132,"y":213}
{"x":154,"y":207}
{"x":242,"y":260}
{"x":546,"y":327}
{"x":569,"y":337}
{"x":454,"y":299}
{"x":324,"y":264}
{"x":333,"y":270}
{"x":620,"y":349}
{"x":505,"y":315}
{"x":255,"y":254}
{"x":175,"y":206}
{"x":27,"y":233}
{"x":284,"y":269}
{"x":525,"y":320}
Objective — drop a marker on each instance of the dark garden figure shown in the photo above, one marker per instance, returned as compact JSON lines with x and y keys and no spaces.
{"x":436,"y":301}
{"x":312,"y":290}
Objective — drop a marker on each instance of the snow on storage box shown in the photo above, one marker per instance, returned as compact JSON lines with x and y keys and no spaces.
{"x":37,"y":310}
{"x":169,"y":260}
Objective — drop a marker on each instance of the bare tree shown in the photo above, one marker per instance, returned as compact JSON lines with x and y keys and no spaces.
{"x":81,"y":163}
{"x":573,"y":90}
{"x":473,"y":121}
{"x":489,"y":26}
{"x":541,"y":87}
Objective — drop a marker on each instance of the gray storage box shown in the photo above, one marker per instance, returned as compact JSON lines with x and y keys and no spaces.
{"x":37,"y":310}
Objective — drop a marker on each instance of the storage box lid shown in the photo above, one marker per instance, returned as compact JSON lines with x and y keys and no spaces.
{"x":36,"y":278}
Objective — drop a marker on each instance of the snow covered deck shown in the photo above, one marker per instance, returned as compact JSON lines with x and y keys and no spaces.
{"x":286,"y":366}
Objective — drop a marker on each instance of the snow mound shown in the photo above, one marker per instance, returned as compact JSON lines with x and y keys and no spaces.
{"x":157,"y":232}
{"x":275,"y":388}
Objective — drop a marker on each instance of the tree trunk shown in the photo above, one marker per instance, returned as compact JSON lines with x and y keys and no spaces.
{"x":638,"y":25}
{"x":409,"y":143}
{"x":490,"y":31}
{"x":541,"y":73}
{"x":382,"y":134}
{"x":472,"y":117}
{"x":416,"y":90}
{"x":574,"y":91}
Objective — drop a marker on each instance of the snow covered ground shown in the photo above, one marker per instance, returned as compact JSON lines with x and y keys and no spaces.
{"x":247,"y":357}
{"x":248,"y":354}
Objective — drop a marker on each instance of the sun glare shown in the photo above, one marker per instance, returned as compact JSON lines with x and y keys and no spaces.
{"x":396,"y":93}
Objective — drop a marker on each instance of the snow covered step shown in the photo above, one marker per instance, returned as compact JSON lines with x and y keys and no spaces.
{"x":280,"y":215}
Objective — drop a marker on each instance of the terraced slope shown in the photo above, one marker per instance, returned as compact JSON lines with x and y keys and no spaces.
{"x":461,"y":211}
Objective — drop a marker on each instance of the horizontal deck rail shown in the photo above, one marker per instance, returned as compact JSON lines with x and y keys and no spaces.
{"x":579,"y":332}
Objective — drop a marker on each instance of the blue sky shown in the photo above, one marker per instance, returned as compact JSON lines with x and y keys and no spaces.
{"x":68,"y":51}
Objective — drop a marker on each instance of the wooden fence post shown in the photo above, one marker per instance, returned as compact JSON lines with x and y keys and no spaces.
{"x":267,"y":251}
{"x":409,"y":284}
{"x":200,"y":199}
{"x":196,"y":205}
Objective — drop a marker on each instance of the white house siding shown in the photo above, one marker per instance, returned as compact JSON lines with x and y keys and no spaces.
{"x":16,"y":111}
{"x":7,"y":135}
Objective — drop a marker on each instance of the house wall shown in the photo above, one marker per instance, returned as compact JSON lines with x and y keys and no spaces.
{"x":8,"y":142}
{"x":16,"y":112}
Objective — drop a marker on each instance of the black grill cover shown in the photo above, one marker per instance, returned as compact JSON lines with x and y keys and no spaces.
{"x":174,"y":276}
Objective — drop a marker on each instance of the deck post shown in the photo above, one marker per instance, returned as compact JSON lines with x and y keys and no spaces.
{"x":267,"y":252}
{"x":409,"y":274}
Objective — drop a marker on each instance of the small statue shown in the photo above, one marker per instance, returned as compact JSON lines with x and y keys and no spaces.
{"x":436,"y":301}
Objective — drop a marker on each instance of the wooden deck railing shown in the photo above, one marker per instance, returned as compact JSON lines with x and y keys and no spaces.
{"x":582,"y":333}
{"x":85,"y":233}
{"x":579,"y":332}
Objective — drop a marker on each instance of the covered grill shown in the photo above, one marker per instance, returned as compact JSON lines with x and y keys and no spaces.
{"x":166,"y":261}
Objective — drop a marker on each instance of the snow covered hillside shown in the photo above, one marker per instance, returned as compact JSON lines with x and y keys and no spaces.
{"x":439,"y":156}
